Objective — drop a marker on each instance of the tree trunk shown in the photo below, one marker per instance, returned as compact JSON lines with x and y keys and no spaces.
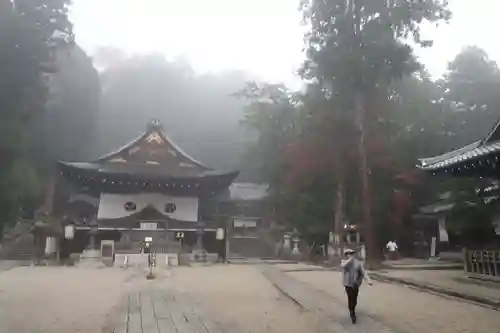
{"x":339,"y":218}
{"x":373,"y":256}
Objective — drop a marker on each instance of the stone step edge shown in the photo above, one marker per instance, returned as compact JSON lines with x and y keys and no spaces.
{"x":488,"y":302}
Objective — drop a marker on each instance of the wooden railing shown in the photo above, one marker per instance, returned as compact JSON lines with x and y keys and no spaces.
{"x":483,"y":264}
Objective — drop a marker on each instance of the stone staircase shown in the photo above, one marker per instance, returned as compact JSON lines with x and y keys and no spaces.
{"x":18,"y":243}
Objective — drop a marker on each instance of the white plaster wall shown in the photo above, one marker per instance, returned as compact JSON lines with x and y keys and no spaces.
{"x":111,"y":206}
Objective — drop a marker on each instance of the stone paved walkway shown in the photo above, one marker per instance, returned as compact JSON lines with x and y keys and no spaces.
{"x":162,"y":311}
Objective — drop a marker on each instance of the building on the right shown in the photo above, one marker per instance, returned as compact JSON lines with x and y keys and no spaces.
{"x":477,"y":160}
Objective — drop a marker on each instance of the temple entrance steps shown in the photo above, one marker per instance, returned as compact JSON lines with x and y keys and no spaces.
{"x":135,"y":248}
{"x":18,"y":243}
{"x":163,"y":260}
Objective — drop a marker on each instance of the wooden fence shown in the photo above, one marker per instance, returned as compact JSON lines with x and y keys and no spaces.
{"x":483,"y":264}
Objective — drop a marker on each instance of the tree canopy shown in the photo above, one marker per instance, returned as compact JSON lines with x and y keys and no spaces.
{"x":30,"y":32}
{"x":351,"y":139}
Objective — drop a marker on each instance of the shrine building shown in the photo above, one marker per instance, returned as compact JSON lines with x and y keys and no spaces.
{"x":149,"y":188}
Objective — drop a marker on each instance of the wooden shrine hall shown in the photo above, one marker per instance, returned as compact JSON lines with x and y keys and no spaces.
{"x":149,"y":188}
{"x":479,"y":159}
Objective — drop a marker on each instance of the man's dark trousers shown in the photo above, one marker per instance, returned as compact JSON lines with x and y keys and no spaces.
{"x":352,"y":298}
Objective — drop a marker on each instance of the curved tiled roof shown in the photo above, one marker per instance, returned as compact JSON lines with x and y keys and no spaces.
{"x":479,"y":150}
{"x":467,"y":153}
{"x":150,"y":154}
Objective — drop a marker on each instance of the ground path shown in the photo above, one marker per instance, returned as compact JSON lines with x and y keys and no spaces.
{"x":220,"y":298}
{"x":59,"y":299}
{"x":403,"y":309}
{"x":216,"y":299}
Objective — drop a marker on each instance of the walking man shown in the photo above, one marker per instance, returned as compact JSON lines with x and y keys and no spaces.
{"x":353,"y":276}
{"x":393,"y":248}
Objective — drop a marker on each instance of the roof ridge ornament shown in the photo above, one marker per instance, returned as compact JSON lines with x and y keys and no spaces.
{"x":155,"y":124}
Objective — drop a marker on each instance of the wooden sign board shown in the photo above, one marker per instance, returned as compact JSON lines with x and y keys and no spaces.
{"x":149,"y":225}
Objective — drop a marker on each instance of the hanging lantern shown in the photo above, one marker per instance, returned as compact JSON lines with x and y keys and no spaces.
{"x":220,"y":234}
{"x":69,"y":231}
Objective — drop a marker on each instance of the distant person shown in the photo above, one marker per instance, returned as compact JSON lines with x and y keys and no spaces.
{"x":147,"y":247}
{"x":353,"y":275}
{"x":392,"y":247}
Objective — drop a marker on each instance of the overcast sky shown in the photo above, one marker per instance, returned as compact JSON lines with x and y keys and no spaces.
{"x":263,"y":37}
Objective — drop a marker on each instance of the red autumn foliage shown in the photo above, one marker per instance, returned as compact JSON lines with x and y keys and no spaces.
{"x":307,"y":160}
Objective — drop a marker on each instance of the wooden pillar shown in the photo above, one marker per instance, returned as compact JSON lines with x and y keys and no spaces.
{"x":226,"y":239}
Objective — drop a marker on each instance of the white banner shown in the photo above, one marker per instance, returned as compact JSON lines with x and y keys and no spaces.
{"x":443,"y":234}
{"x":69,"y":231}
{"x":220,"y":234}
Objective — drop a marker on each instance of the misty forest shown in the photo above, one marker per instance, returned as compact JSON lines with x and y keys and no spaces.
{"x":360,"y":76}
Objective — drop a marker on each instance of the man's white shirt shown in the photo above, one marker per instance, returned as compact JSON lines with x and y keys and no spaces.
{"x":391,"y":246}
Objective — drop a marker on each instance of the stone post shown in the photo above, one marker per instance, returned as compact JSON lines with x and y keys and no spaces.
{"x":295,"y":242}
{"x":199,"y":250}
{"x":362,"y":253}
{"x":199,"y":240}
{"x":92,"y":234}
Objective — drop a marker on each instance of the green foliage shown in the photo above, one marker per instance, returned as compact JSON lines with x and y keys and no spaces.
{"x":359,"y":43}
{"x":30,"y":32}
{"x":273,"y":111}
{"x":366,"y":49}
{"x":357,"y":51}
{"x":311,"y":211}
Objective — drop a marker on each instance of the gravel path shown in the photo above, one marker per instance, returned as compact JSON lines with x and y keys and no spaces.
{"x":242,"y":300}
{"x":236,"y":298}
{"x":409,"y":310}
{"x":60,"y":299}
{"x":447,"y":279}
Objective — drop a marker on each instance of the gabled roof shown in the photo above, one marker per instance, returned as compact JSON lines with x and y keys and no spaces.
{"x":152,"y":153}
{"x":479,"y":150}
{"x":151,"y":146}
